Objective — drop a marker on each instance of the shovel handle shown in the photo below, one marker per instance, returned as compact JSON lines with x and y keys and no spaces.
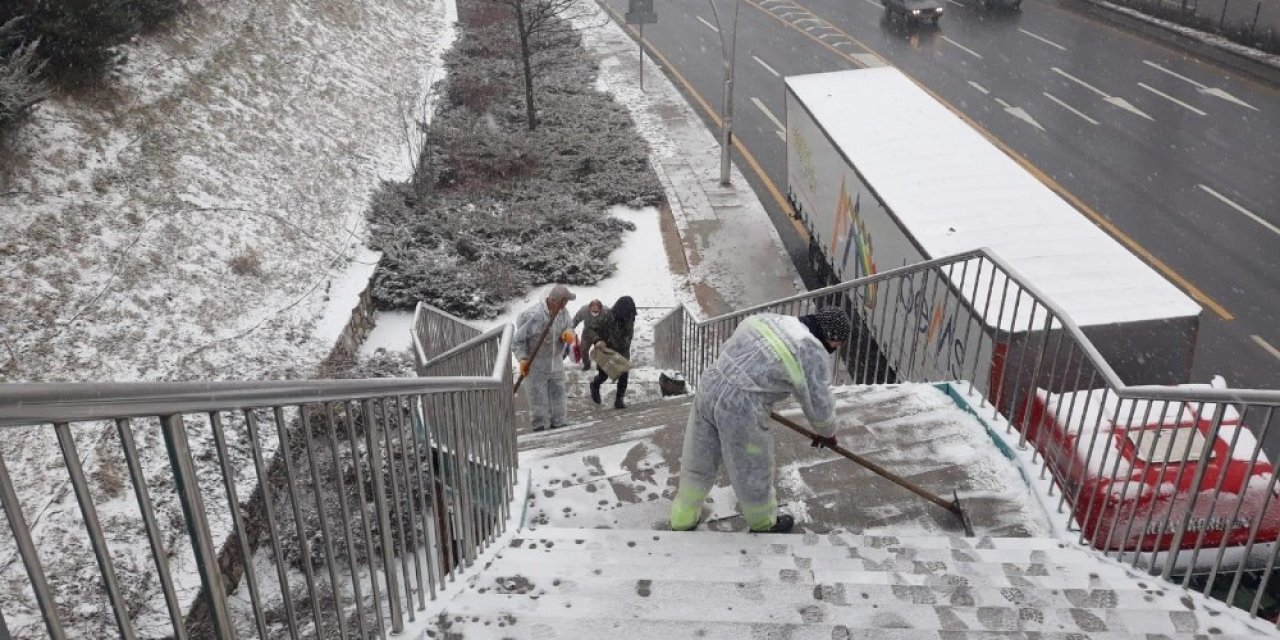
{"x":538,"y":345}
{"x":875,"y":468}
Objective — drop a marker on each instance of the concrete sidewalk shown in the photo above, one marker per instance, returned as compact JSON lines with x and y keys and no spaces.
{"x":720,"y":238}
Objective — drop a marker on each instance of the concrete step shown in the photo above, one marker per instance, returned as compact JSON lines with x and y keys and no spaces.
{"x":552,"y":568}
{"x":558,"y":628}
{"x":1086,"y":573}
{"x":760,"y":607}
{"x":778,"y":551}
{"x":882,"y":596}
{"x":762,"y":542}
{"x":606,"y":426}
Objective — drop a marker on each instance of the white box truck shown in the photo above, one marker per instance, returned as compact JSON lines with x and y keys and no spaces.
{"x":883,"y":175}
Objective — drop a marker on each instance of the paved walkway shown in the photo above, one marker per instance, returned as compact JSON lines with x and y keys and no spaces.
{"x":721,"y":238}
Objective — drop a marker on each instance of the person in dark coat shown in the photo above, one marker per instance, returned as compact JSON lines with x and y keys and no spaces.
{"x":590,"y":316}
{"x":616,"y":332}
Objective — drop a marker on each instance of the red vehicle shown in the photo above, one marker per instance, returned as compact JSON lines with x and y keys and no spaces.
{"x":1134,"y":477}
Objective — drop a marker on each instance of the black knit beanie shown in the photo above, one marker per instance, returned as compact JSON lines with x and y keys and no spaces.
{"x":828,"y":323}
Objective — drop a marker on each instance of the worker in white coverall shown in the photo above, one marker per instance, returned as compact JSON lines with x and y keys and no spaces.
{"x":767,"y":358}
{"x":544,"y":372}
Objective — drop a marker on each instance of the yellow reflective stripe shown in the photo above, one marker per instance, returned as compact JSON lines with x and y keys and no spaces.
{"x":687,"y":507}
{"x":754,"y":449}
{"x":780,"y":347}
{"x":760,"y":517}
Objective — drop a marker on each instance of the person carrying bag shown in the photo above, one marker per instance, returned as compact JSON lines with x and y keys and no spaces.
{"x":612,"y":352}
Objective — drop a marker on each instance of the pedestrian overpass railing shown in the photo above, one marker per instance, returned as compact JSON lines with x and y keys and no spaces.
{"x":973,"y":318}
{"x":344,"y":504}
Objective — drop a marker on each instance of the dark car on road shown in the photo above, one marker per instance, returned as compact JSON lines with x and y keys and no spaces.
{"x":914,"y":11}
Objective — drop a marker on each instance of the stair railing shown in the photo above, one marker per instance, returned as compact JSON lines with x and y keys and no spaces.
{"x":363,"y":498}
{"x":973,"y":318}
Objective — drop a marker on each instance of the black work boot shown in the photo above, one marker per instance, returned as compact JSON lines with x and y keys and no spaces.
{"x":618,"y":403}
{"x":783,"y":524}
{"x":595,"y":392}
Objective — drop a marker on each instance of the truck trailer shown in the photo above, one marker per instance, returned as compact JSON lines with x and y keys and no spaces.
{"x":883,"y":175}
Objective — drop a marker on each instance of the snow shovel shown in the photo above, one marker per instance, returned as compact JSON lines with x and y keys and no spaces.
{"x":954,"y":506}
{"x":538,"y":345}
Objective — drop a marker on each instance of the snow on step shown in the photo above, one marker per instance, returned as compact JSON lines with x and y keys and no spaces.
{"x":674,"y":571}
{"x":851,"y":593}
{"x":692,"y":544}
{"x":760,"y":541}
{"x":549,"y":628}
{"x":762,"y":606}
{"x":930,"y":564}
{"x":620,"y":471}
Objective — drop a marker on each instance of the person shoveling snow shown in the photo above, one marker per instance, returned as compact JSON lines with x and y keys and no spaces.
{"x":767,"y":358}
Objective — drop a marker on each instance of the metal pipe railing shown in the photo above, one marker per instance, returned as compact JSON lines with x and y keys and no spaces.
{"x":1020,"y":352}
{"x":369,"y":492}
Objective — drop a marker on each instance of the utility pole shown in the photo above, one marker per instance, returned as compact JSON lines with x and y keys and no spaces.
{"x":727,"y":50}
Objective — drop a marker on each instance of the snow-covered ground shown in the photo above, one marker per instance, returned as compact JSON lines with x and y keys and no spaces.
{"x":200,"y":219}
{"x":642,"y":273}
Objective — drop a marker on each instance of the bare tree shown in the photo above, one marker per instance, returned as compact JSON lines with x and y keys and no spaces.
{"x":540,"y":26}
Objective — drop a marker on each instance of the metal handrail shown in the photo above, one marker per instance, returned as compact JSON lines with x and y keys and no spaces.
{"x":1034,"y":364}
{"x":24,"y":404}
{"x":1109,"y":375}
{"x":438,"y":454}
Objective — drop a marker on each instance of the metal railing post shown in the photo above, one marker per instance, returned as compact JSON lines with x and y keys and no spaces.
{"x":154,"y":539}
{"x":384,"y":518}
{"x":184,"y":479}
{"x":30,"y":558}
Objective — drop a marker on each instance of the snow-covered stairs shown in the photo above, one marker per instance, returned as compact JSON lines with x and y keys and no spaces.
{"x":596,"y":558}
{"x":554,"y":582}
{"x":618,"y":469}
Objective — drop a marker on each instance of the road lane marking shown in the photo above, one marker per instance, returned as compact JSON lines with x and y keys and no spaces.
{"x":1213,"y":91}
{"x":958,"y":4}
{"x":873,"y":3}
{"x":1171,"y":98}
{"x":979,"y":87}
{"x":856,"y":59}
{"x":709,"y":25}
{"x":767,"y":113}
{"x":746,"y":154}
{"x":1019,"y":113}
{"x":1119,"y":102}
{"x":1078,"y":81}
{"x":1266,"y":346}
{"x":766,"y":66}
{"x":1043,"y":39}
{"x":1255,"y":217}
{"x":1069,"y":108}
{"x":1097,"y":218}
{"x":964,"y":48}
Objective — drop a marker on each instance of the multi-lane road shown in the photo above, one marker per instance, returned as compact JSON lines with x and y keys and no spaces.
{"x":1175,"y":157}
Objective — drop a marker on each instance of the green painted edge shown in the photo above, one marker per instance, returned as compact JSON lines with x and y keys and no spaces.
{"x":1007,"y":451}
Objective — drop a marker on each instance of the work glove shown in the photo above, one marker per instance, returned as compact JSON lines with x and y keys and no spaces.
{"x":601,"y":345}
{"x":568,"y":337}
{"x":524,"y":368}
{"x":820,"y":442}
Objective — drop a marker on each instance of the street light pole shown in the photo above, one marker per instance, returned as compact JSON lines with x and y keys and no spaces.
{"x":727,"y":56}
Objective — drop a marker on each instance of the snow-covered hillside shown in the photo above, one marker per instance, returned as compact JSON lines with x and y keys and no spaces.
{"x":191,"y":221}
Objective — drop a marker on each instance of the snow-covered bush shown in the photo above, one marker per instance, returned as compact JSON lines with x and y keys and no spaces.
{"x":79,"y":38}
{"x":501,"y":208}
{"x":20,"y":67}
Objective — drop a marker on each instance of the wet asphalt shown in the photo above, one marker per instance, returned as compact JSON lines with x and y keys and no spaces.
{"x":1179,"y":154}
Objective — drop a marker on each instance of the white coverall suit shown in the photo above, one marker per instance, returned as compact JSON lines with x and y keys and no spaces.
{"x":545,"y":382}
{"x":767,"y":358}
